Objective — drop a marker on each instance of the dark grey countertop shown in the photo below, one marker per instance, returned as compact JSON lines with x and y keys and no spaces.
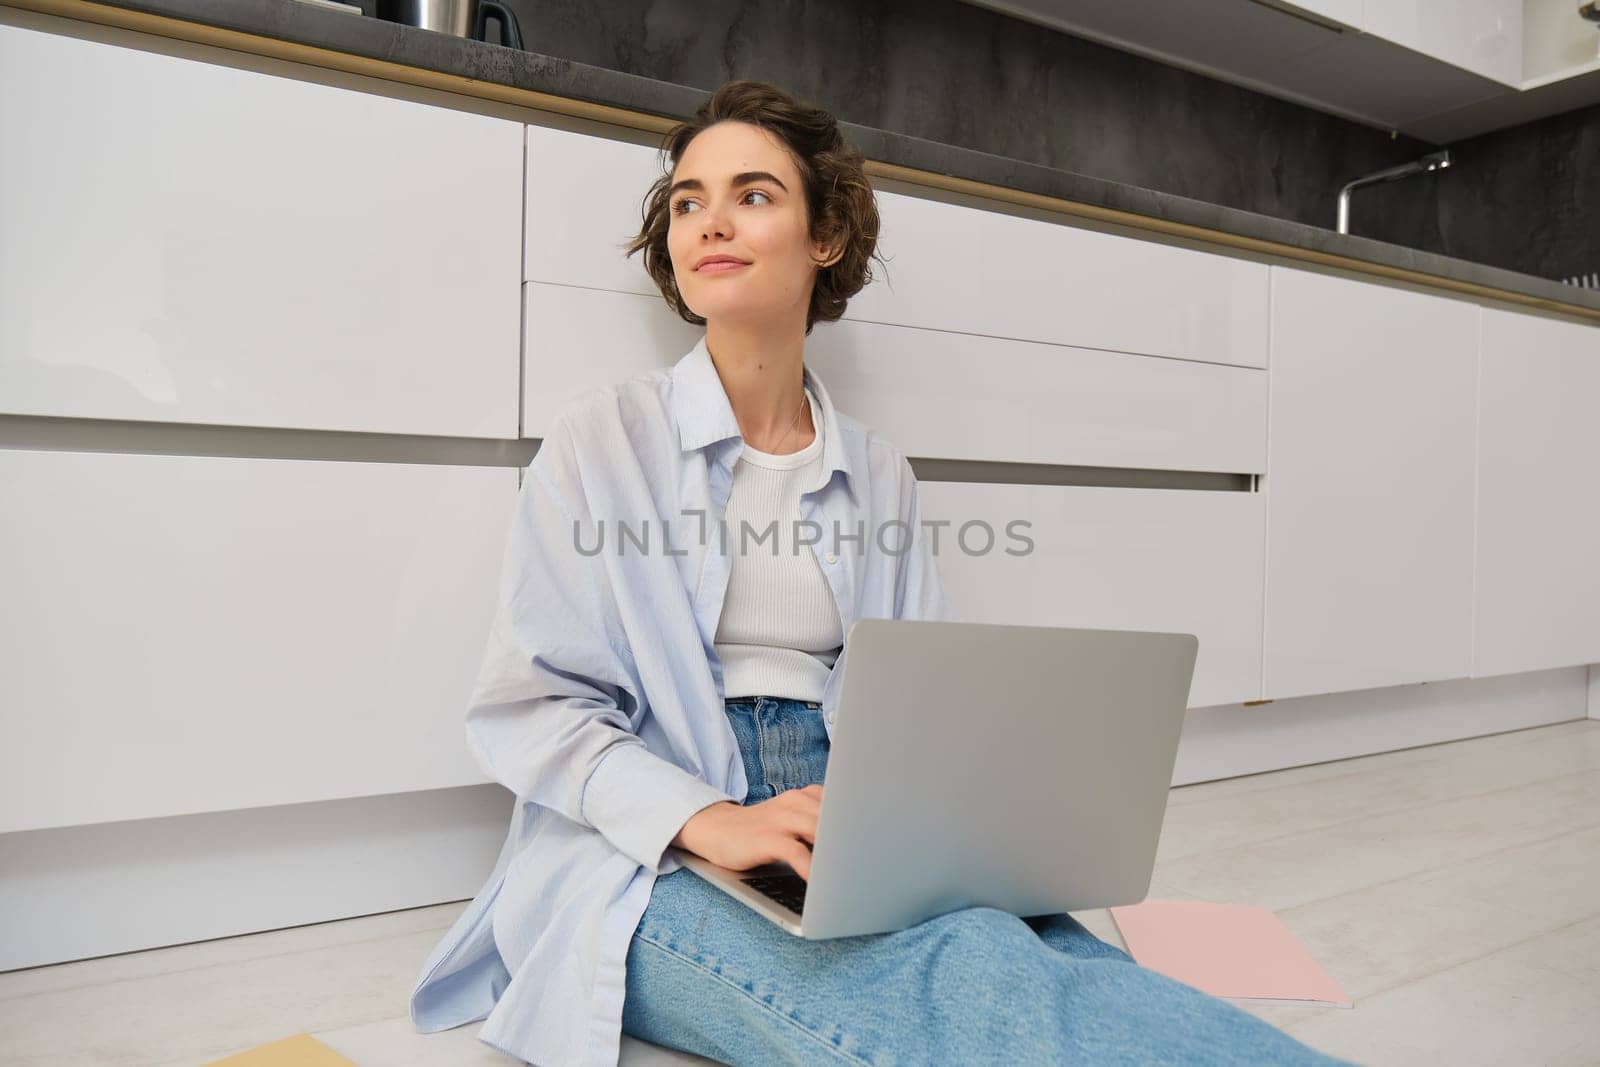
{"x":360,"y":35}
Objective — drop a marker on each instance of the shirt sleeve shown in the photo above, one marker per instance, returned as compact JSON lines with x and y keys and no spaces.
{"x":554,"y":714}
{"x":918,"y":591}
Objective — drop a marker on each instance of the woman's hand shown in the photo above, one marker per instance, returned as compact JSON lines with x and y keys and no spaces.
{"x":740,"y":836}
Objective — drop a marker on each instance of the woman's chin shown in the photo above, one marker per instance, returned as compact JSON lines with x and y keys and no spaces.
{"x":729,"y":311}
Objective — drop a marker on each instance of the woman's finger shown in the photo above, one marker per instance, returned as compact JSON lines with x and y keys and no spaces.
{"x":804,"y":827}
{"x":804,"y":799}
{"x":798,"y":856}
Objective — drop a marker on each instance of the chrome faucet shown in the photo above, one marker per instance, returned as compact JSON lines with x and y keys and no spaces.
{"x":1435,"y":161}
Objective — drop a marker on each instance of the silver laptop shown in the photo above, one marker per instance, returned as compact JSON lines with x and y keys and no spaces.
{"x":1024,"y":768}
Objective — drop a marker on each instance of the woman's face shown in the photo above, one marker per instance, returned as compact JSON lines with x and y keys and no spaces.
{"x":736,"y":193}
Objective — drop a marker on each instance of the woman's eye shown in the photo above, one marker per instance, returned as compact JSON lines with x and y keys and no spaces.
{"x":682,"y":206}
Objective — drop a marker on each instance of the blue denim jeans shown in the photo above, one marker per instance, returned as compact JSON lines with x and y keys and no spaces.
{"x":708,"y":975}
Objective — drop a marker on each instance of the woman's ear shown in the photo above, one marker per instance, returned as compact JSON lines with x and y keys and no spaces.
{"x":829,"y":252}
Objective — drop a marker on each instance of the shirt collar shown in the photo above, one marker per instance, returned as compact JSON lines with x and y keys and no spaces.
{"x":705,"y":416}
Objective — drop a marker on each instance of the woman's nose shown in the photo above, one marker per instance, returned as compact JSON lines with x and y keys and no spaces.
{"x":714,"y":220}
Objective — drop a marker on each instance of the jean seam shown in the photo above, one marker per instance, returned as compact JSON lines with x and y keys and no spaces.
{"x":757,"y":1001}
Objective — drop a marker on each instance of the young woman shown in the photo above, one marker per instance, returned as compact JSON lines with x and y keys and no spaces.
{"x":679,"y":688}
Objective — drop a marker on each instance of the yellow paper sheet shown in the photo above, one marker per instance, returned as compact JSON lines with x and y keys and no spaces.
{"x":301,"y":1050}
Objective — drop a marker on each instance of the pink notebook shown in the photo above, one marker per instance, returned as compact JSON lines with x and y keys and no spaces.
{"x":1227,"y":950}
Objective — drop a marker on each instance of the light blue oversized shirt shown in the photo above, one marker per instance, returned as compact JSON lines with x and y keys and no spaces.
{"x":599,"y":703}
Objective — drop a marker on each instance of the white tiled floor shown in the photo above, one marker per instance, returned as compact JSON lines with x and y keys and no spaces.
{"x":1453,"y":890}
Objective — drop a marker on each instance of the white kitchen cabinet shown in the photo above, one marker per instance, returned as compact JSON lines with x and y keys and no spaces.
{"x":1483,"y":36}
{"x":1185,"y":561}
{"x":190,"y":634}
{"x":182,"y":241}
{"x":950,"y":267}
{"x":934,"y":394}
{"x":1347,"y":12}
{"x":1538,"y":558}
{"x":1556,"y":45}
{"x":1369,"y":486}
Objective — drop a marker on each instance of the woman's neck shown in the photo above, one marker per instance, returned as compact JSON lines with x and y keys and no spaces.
{"x":765,"y":383}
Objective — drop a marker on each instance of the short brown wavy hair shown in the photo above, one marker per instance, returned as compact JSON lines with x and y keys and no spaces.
{"x":839,"y":199}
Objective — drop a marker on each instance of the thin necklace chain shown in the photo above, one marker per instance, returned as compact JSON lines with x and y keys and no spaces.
{"x":792,"y":425}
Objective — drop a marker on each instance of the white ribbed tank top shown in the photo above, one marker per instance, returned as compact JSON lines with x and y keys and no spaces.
{"x":780,"y":632}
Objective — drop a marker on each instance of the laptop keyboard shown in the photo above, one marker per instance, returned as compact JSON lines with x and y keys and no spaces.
{"x":787,"y":889}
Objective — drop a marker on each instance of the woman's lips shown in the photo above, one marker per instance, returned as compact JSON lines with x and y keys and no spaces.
{"x":720,"y":266}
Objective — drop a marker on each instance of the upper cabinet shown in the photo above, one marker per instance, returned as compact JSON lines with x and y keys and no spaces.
{"x":1481,"y":36}
{"x":950,"y":266}
{"x":1538,"y":557}
{"x":187,"y":242}
{"x":1369,"y":486}
{"x":1556,"y":43}
{"x":1439,"y":70}
{"x":1347,"y":12}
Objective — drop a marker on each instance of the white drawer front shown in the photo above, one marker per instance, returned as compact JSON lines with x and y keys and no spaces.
{"x":935,"y":394}
{"x":966,"y":269}
{"x":584,"y":195}
{"x":1184,"y":561}
{"x":186,"y":634}
{"x":187,"y":242}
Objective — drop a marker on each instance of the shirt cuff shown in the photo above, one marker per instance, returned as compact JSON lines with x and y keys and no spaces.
{"x":640,"y":801}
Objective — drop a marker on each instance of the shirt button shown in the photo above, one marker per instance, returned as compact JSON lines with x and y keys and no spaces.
{"x":832,"y":558}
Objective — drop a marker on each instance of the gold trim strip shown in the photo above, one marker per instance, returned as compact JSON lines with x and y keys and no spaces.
{"x":239,"y":41}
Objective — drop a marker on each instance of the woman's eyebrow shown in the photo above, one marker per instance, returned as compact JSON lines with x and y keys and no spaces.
{"x":745,"y":178}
